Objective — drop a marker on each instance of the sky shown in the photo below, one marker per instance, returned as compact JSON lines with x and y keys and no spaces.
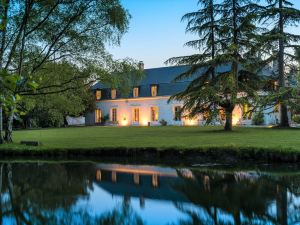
{"x":156,"y":32}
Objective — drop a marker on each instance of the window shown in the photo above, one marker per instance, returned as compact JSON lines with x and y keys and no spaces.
{"x":135,"y":92}
{"x":113,"y":93}
{"x":222,"y":114}
{"x":154,"y":90}
{"x":177,"y":113}
{"x":114,"y":115}
{"x":98,"y":115}
{"x":154,"y":114}
{"x":98,"y":94}
{"x":154,"y":180}
{"x":247,"y":114}
{"x":136,"y":115}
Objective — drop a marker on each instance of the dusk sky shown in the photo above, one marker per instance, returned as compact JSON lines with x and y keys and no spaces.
{"x":156,"y":32}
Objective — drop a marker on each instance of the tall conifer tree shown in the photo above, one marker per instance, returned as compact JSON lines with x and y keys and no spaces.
{"x":224,"y":66}
{"x":281,"y":45}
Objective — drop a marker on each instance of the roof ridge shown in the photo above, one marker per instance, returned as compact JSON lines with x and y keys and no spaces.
{"x":166,"y":67}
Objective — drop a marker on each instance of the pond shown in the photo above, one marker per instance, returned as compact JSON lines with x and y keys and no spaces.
{"x":116,"y":193}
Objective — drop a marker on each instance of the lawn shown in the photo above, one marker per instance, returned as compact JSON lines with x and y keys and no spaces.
{"x":160,"y":137}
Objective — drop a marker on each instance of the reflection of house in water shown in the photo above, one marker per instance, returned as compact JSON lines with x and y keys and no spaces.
{"x":140,"y":181}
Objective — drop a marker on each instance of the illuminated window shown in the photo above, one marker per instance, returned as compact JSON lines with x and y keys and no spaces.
{"x":136,"y":115}
{"x":247,"y":113}
{"x":114,"y":115}
{"x":154,"y":90}
{"x":177,"y":113}
{"x":113,"y":94}
{"x":98,"y":175}
{"x":98,"y":94}
{"x":276,"y":108}
{"x":206,"y":115}
{"x":154,"y":180}
{"x":136,"y":178}
{"x":98,"y":115}
{"x":135,"y":92}
{"x":154,"y":114}
{"x":114,"y":176}
{"x":222,"y":114}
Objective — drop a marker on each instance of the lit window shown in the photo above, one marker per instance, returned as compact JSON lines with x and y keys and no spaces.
{"x":222,"y":114}
{"x":276,"y":108}
{"x":98,"y":94}
{"x":114,"y":176}
{"x":177,"y":113}
{"x":98,"y":115}
{"x":113,"y":94}
{"x":247,"y":113}
{"x":154,"y":114}
{"x":136,"y":115}
{"x":136,"y":178}
{"x":154,"y":90}
{"x":154,"y":180}
{"x":98,"y":175}
{"x":135,"y":92}
{"x":114,"y":115}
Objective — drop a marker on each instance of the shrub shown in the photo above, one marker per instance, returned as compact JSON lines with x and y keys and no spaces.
{"x":104,"y":119}
{"x":163,"y":122}
{"x":296,"y":118}
{"x":258,"y":118}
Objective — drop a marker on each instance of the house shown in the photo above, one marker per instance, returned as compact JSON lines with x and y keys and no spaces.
{"x":148,"y":102}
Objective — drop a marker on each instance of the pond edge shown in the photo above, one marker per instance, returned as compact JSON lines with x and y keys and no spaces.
{"x":216,"y":154}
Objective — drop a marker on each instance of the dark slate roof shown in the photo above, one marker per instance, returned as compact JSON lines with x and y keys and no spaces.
{"x":163,"y":77}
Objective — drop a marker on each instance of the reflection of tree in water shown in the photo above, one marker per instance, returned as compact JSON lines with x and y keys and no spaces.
{"x":246,"y":197}
{"x":48,"y":193}
{"x":33,"y":191}
{"x":123,"y":215}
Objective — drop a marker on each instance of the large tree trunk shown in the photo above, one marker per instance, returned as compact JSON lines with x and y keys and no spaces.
{"x":282,"y":205}
{"x":284,"y":120}
{"x":1,"y":126}
{"x":228,"y":123}
{"x":9,"y":126}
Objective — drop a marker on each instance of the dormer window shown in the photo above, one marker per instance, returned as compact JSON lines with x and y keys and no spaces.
{"x":136,"y":92}
{"x":154,"y":90}
{"x":98,"y":94}
{"x":113,"y":93}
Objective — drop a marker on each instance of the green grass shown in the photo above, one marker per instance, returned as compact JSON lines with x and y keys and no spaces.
{"x":160,"y":137}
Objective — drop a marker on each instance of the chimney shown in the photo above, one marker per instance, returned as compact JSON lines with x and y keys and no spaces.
{"x":141,"y":65}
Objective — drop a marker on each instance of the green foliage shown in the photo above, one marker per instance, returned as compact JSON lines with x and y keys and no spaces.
{"x":279,"y":44}
{"x":123,"y":75}
{"x":50,"y":110}
{"x":296,"y":119}
{"x":104,"y":119}
{"x":163,"y":122}
{"x":258,"y":118}
{"x":227,"y":58}
{"x":38,"y":33}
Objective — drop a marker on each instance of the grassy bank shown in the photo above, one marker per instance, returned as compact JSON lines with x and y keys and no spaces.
{"x":118,"y":139}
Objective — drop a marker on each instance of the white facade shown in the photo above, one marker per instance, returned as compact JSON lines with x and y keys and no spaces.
{"x":138,"y":112}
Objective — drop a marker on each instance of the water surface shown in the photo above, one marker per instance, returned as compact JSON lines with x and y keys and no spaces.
{"x":101,"y":193}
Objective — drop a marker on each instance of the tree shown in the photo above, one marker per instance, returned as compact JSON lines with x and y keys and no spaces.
{"x":280,"y":46}
{"x":223,"y":68}
{"x":37,"y":32}
{"x":50,"y":110}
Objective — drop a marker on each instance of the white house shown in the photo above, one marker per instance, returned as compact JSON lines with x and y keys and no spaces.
{"x":148,"y":103}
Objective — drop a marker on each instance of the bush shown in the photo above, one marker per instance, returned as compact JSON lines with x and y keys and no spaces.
{"x":258,"y":119}
{"x":296,"y":118}
{"x":104,"y":119}
{"x":163,"y":122}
